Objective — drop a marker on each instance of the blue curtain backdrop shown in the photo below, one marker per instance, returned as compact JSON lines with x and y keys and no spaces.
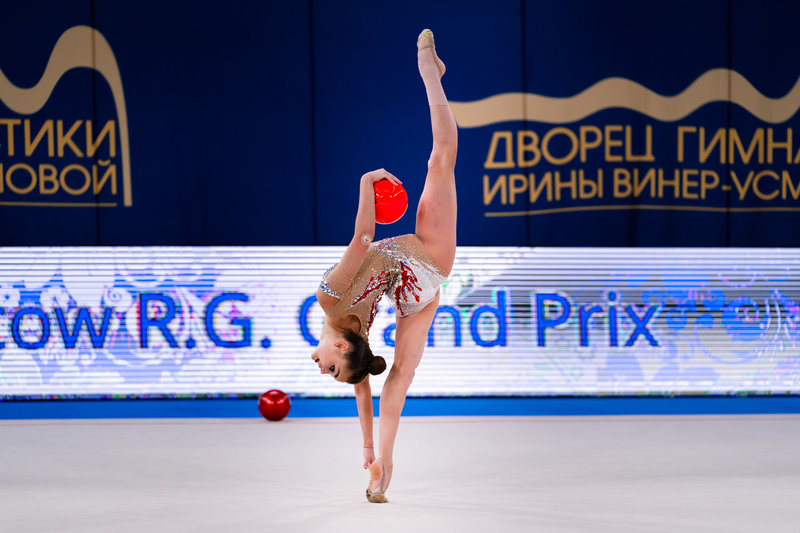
{"x":249,"y":123}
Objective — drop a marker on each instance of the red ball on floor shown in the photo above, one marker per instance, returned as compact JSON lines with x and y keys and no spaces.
{"x":391,"y":201}
{"x":274,"y":405}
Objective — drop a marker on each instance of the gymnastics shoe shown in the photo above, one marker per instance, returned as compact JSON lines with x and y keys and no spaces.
{"x":424,"y":41}
{"x":376,"y":477}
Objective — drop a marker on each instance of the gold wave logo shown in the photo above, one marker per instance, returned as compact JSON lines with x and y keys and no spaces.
{"x":716,"y":85}
{"x":78,"y":47}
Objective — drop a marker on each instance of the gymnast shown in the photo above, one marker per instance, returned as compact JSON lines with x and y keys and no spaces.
{"x":408,"y":268}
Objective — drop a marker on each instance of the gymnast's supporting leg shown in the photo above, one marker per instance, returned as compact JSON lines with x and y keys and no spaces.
{"x":436,"y":228}
{"x":411,"y":336}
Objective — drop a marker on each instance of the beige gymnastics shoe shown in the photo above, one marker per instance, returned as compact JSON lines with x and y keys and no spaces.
{"x":376,"y":488}
{"x":425,"y":41}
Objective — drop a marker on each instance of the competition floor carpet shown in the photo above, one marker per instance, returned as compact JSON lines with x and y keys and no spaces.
{"x":596,"y":473}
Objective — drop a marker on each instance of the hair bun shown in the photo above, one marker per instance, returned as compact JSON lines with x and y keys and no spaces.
{"x":377,"y":365}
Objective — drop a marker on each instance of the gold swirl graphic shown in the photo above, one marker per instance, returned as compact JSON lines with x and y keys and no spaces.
{"x":716,"y":85}
{"x":78,"y":47}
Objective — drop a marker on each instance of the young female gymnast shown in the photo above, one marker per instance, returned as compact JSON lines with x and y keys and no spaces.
{"x":409,"y":268}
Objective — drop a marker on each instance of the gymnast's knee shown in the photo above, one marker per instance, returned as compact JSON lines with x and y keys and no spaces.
{"x":443,"y":159}
{"x":404,"y":372}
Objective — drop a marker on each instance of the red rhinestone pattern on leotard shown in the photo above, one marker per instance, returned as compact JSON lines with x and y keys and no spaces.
{"x":376,"y":283}
{"x":409,"y":285}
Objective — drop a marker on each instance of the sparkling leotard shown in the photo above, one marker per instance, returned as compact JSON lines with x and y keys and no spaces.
{"x":400,"y":267}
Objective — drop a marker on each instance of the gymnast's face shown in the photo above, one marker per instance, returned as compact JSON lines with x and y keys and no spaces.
{"x":329,"y":357}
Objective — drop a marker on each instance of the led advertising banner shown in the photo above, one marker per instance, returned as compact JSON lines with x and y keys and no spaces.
{"x":511,"y":321}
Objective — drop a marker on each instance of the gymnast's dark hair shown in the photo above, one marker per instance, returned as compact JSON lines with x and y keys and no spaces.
{"x":360,"y":358}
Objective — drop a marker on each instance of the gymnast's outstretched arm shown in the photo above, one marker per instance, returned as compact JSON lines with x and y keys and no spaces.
{"x":364,"y":404}
{"x":344,"y":272}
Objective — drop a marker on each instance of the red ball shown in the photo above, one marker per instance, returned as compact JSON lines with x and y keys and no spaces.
{"x":391,"y":201}
{"x":274,"y":405}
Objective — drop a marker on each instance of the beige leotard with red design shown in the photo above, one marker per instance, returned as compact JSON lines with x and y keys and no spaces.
{"x":400,"y":267}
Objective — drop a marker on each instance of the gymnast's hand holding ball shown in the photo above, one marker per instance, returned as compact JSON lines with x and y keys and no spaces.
{"x":391,"y":200}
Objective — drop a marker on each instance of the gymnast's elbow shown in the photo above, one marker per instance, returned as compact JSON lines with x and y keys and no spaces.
{"x":363,"y":235}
